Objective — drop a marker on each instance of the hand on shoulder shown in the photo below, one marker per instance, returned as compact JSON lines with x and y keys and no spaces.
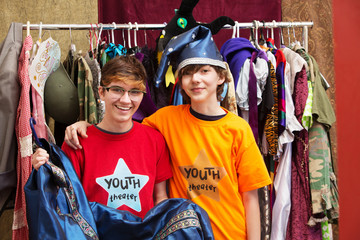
{"x":72,"y":132}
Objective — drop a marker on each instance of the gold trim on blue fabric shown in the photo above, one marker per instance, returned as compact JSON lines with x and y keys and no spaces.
{"x":182,"y":220}
{"x":71,"y":198}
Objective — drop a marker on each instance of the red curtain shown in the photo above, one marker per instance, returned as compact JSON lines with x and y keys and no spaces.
{"x":124,"y":11}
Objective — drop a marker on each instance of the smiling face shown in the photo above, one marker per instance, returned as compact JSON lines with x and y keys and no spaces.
{"x":119,"y":76}
{"x":201,"y":83}
{"x":120,"y":106}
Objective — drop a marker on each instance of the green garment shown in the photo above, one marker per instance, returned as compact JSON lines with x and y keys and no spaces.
{"x":322,"y":110}
{"x":324,"y":191}
{"x":307,"y":118}
{"x":87,"y":99}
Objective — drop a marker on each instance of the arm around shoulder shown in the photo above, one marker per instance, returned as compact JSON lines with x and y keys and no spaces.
{"x":72,"y":132}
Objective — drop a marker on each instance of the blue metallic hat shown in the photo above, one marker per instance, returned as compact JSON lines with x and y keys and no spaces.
{"x":195,"y":46}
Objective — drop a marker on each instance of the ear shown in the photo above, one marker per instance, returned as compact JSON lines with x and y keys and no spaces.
{"x":101,"y":92}
{"x":221,"y":80}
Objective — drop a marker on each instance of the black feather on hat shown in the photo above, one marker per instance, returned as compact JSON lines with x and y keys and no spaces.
{"x":184,"y":21}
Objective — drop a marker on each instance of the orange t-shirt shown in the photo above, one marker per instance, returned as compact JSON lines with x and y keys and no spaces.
{"x":213,"y":162}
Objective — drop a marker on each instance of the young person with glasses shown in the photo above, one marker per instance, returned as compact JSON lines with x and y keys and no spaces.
{"x":122,"y":163}
{"x":214,"y":157}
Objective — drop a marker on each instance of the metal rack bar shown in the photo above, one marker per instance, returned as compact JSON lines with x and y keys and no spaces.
{"x":115,"y":26}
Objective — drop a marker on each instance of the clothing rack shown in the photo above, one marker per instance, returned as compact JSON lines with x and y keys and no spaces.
{"x":135,"y":26}
{"x":151,"y":26}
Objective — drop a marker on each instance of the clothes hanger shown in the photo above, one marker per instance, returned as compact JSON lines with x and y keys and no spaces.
{"x":90,"y":39}
{"x":293,"y":30}
{"x":93,"y":37}
{"x":112,"y":33}
{"x":42,"y":36}
{"x":37,"y":141}
{"x":98,"y":43}
{"x":256,"y":43}
{"x":37,"y":43}
{"x":296,"y":42}
{"x":262,"y":40}
{"x":109,"y":38}
{"x":135,"y":49}
{"x":145,"y":36}
{"x":123,"y":36}
{"x":281,"y":38}
{"x":129,"y":36}
{"x":234,"y":28}
{"x":238,"y":30}
{"x":251,"y":37}
{"x":28,"y":28}
{"x":288,"y":33}
{"x":270,"y":42}
{"x":135,"y":31}
{"x":72,"y":45}
{"x":99,"y":36}
{"x":40,"y":32}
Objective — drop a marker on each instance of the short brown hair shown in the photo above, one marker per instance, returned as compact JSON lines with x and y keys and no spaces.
{"x":193,"y":68}
{"x":124,"y":69}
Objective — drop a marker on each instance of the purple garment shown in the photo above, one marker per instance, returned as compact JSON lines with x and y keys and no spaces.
{"x":253,"y":113}
{"x":146,"y":108}
{"x":235,"y":51}
{"x":253,"y":109}
{"x":147,"y":105}
{"x":300,"y":212}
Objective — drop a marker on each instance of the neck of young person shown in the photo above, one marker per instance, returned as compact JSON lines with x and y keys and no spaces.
{"x":209,"y":108}
{"x":115,"y":127}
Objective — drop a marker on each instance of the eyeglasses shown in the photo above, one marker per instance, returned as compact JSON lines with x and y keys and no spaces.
{"x":116,"y":91}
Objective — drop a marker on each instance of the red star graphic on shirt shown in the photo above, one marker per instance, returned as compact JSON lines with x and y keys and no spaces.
{"x":203,"y":177}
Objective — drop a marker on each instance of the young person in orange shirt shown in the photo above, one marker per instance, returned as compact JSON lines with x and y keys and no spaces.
{"x":214,"y":157}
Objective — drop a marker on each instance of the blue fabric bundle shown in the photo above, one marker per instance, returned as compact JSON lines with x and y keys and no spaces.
{"x":57,"y":208}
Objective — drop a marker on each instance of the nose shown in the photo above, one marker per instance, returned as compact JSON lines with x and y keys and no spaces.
{"x":196,"y":77}
{"x":125,"y":97}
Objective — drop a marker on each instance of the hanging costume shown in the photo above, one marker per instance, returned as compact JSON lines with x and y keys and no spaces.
{"x":10,"y":50}
{"x":300,"y":185}
{"x":24,"y":138}
{"x":87,"y":101}
{"x":46,"y":61}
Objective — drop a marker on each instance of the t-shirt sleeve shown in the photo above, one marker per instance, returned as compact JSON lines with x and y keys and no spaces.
{"x":251,"y":169}
{"x":150,"y":121}
{"x":73,"y":155}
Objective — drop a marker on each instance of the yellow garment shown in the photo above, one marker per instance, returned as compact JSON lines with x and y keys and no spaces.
{"x":213,"y":162}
